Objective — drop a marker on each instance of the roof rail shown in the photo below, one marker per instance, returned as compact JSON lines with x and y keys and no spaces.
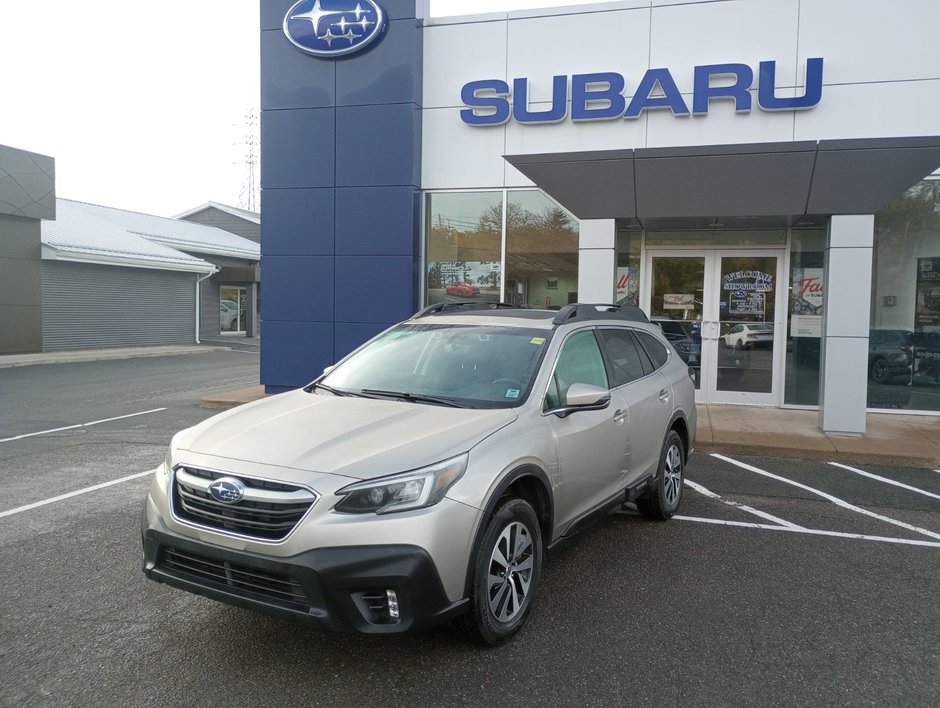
{"x":588,"y":311}
{"x":462,"y":306}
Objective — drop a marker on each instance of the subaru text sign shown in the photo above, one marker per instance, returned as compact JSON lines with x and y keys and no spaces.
{"x":603,"y":95}
{"x":334,"y":28}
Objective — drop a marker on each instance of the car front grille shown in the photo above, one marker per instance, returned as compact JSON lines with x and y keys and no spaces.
{"x":243,"y":580}
{"x":268,"y":511}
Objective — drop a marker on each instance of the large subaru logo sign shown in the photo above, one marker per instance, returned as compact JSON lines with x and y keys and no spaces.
{"x":334,"y":28}
{"x":227,"y":489}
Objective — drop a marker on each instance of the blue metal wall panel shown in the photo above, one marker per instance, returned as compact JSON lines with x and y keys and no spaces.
{"x":341,"y":161}
{"x":287,"y":81}
{"x":373,"y":77}
{"x":297,"y":149}
{"x":298,"y":353}
{"x":298,"y":221}
{"x":369,"y":288}
{"x":376,"y":220}
{"x":375,"y":145}
{"x":309,"y":297}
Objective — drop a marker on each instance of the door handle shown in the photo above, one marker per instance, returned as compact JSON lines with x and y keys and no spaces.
{"x":619,"y":415}
{"x":664,"y":396}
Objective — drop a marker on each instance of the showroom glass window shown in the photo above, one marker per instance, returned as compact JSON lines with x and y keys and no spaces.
{"x":469,"y":243}
{"x":904,"y":338}
{"x":627,"y":278}
{"x":541,"y":252}
{"x":464,"y":238}
{"x":804,"y":314}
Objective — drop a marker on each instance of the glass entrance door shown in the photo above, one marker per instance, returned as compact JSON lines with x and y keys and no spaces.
{"x":724,"y":313}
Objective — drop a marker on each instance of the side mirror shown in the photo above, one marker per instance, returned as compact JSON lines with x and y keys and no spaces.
{"x":583,"y":397}
{"x":329,"y":369}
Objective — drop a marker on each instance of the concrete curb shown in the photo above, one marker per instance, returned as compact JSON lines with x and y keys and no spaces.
{"x":12,"y":360}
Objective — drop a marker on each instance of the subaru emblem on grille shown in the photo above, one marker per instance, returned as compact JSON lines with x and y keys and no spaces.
{"x":227,"y":489}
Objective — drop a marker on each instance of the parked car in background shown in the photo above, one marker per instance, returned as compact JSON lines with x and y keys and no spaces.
{"x":228,"y":315}
{"x":748,"y":336}
{"x":462,"y":289}
{"x":686,"y":338}
{"x":423,"y":477}
{"x":890,"y":356}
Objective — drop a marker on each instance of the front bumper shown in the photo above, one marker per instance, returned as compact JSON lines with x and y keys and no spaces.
{"x":342,"y":589}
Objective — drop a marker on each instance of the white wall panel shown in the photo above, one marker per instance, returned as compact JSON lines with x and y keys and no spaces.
{"x":845,"y":372}
{"x":514,"y":178}
{"x":872,"y":40}
{"x":457,"y":54}
{"x":740,"y":31}
{"x":872,"y":111}
{"x":455,"y":155}
{"x":613,"y":134}
{"x":578,"y":44}
{"x":722,"y":126}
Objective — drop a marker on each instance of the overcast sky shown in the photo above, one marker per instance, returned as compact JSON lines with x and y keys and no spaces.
{"x":143,"y":105}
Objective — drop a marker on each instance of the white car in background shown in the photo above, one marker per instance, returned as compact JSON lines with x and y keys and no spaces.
{"x":228,"y":315}
{"x":748,"y":336}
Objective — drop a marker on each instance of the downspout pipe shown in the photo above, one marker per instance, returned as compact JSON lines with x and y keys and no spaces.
{"x":199,"y":280}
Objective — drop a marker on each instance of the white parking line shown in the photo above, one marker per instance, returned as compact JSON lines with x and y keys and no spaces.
{"x":885,"y":480}
{"x":756,"y":512}
{"x":811,"y":532}
{"x":80,"y":425}
{"x":35,"y":505}
{"x":835,"y":500}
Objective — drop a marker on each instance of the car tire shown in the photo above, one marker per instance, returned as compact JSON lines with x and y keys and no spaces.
{"x":664,"y":500}
{"x":879,"y":370}
{"x":507,"y":566}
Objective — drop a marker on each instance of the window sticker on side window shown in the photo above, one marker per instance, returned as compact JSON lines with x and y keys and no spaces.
{"x":512,"y":393}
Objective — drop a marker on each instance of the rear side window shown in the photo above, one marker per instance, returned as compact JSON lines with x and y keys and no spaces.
{"x":626,"y":361}
{"x":657,"y":352}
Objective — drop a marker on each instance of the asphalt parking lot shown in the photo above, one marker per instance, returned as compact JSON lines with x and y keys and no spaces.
{"x":781,"y":582}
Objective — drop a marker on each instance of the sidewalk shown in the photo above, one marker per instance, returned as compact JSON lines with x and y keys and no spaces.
{"x":8,"y":360}
{"x":891,"y":439}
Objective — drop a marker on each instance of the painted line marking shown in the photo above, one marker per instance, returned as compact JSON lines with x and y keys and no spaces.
{"x":811,"y":532}
{"x":750,"y":510}
{"x":80,"y":425}
{"x":86,"y":490}
{"x":885,"y":480}
{"x":835,"y":500}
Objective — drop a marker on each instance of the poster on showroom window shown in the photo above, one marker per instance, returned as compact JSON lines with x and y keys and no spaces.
{"x":806,"y":302}
{"x":746,"y":293}
{"x":463,"y":281}
{"x":627,"y":286}
{"x":927,"y":311}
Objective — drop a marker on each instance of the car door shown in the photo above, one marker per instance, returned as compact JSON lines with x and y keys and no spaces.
{"x":643,"y":392}
{"x":590,"y":444}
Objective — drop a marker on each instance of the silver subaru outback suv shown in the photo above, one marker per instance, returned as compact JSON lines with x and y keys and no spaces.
{"x":424,"y":477}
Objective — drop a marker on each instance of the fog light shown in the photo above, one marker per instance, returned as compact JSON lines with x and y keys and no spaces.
{"x":393,"y":611}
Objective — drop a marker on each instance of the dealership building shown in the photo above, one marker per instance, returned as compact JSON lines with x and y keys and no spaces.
{"x":760,"y":176}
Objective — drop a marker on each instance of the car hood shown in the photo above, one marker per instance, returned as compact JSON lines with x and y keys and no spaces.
{"x":355,"y":437}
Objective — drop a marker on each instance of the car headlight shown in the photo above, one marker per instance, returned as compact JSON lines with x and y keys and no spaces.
{"x":400,"y":492}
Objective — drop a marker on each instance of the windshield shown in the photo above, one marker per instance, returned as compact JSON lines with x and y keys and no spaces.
{"x":472,"y":366}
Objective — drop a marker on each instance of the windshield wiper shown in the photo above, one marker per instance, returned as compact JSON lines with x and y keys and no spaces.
{"x":413,"y":397}
{"x":330,"y":389}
